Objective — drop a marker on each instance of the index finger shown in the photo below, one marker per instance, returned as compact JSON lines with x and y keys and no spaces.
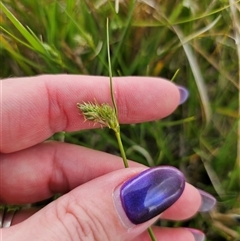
{"x":34,"y":108}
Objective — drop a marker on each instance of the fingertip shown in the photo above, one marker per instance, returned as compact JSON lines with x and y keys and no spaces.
{"x":186,"y":206}
{"x":147,"y":99}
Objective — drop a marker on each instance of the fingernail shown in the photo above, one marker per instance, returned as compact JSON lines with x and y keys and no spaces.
{"x":208,"y":201}
{"x":150,"y":193}
{"x":183,"y":94}
{"x":198,"y":235}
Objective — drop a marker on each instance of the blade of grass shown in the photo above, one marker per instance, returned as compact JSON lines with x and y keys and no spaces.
{"x":211,"y":173}
{"x":85,"y":35}
{"x":200,"y":32}
{"x":143,"y":152}
{"x":156,"y":23}
{"x":197,"y":75}
{"x":236,"y":28}
{"x":117,"y":6}
{"x":17,"y":39}
{"x":124,"y":33}
{"x":25,"y":33}
{"x":18,"y":57}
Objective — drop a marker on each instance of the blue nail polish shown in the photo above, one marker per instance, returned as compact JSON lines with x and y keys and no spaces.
{"x":183,"y":94}
{"x":208,"y":201}
{"x":151,"y":192}
{"x":198,"y":235}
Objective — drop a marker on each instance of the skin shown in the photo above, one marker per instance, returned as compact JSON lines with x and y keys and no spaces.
{"x":35,"y":108}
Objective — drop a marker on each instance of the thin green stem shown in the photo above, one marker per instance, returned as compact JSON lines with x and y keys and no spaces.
{"x":151,"y":234}
{"x":110,"y":71}
{"x":123,"y":154}
{"x":175,"y":74}
{"x":121,"y":148}
{"x":62,"y":136}
{"x":117,"y":130}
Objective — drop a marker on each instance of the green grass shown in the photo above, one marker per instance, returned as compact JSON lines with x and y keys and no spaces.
{"x":195,"y":37}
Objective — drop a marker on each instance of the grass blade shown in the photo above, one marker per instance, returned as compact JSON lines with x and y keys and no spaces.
{"x":25,"y":33}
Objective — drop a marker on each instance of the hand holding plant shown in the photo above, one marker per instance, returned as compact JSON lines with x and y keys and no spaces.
{"x":33,"y":170}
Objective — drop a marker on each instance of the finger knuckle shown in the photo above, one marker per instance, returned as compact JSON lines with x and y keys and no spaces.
{"x":82,"y":223}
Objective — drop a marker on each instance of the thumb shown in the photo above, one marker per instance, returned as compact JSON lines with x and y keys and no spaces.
{"x":117,"y":206}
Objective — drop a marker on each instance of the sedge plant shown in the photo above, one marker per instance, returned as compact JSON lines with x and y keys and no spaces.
{"x":152,"y":38}
{"x":107,"y":116}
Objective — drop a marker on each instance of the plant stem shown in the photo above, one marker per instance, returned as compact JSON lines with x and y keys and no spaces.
{"x":123,"y":154}
{"x":121,"y":148}
{"x":62,"y":136}
{"x":151,"y":234}
{"x":110,"y":71}
{"x":117,"y":129}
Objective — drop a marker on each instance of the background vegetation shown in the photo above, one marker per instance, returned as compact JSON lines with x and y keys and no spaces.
{"x":148,"y":38}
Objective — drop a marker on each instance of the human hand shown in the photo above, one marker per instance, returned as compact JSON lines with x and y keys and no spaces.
{"x":35,"y":108}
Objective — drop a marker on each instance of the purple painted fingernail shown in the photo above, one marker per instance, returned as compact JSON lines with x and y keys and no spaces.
{"x":183,"y":94}
{"x":151,"y":192}
{"x":198,"y":235}
{"x":208,"y":201}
